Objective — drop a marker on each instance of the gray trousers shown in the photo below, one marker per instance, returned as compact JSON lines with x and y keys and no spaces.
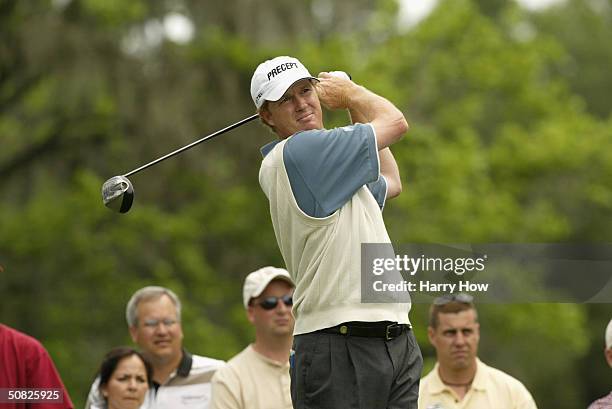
{"x":337,"y":371}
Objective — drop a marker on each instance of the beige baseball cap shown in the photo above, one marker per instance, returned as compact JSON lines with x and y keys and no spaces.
{"x":273,"y":77}
{"x":257,"y":281}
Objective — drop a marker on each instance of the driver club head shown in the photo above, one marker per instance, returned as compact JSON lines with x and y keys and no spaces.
{"x":118,"y":194}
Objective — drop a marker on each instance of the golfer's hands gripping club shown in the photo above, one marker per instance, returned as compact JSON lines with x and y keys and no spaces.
{"x":334,"y":89}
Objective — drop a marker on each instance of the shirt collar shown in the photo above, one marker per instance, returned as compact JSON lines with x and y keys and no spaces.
{"x":183,"y":369}
{"x":270,"y":361}
{"x":437,"y":386}
{"x":268,"y":147}
{"x":184,"y":366}
{"x":479,"y":382}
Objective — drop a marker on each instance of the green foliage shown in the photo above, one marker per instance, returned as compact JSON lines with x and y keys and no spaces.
{"x":583,"y":28}
{"x":509,"y":142}
{"x":114,"y":12}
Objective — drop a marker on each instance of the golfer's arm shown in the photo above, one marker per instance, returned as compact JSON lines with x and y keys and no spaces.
{"x":367,"y":107}
{"x":388,"y":166}
{"x":389,"y":169}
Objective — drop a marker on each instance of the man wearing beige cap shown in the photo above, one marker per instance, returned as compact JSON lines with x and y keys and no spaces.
{"x":258,"y":377}
{"x":606,"y":401}
{"x":327,"y":189}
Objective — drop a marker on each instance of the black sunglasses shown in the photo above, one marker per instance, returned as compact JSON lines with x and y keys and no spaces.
{"x":269,"y":303}
{"x":460,"y":297}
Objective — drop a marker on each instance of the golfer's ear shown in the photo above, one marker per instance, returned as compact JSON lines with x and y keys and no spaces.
{"x":266,"y":116}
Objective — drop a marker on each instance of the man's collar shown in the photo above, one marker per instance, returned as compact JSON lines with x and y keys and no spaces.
{"x":270,"y":361}
{"x":437,"y":386}
{"x":268,"y":147}
{"x":479,"y":382}
{"x":185,"y":365}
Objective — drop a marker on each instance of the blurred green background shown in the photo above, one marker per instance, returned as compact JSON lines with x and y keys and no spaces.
{"x":510,"y":141}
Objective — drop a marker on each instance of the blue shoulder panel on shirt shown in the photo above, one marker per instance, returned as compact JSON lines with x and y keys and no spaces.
{"x":327,"y":167}
{"x":379,"y":190}
{"x":268,"y":147}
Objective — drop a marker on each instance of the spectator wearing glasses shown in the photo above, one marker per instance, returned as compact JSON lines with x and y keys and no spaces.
{"x":606,"y":401}
{"x":459,"y":379}
{"x":180,"y":379}
{"x":258,"y":377}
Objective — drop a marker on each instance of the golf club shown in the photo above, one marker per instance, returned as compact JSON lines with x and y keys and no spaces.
{"x":118,"y":192}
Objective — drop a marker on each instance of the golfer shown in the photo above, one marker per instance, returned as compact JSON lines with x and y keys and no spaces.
{"x":327,"y":188}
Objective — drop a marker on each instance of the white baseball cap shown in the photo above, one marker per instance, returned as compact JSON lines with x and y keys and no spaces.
{"x":609,"y":335}
{"x":256,"y":282}
{"x":273,"y":77}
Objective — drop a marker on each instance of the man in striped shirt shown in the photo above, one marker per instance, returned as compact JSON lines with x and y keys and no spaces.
{"x":180,"y":379}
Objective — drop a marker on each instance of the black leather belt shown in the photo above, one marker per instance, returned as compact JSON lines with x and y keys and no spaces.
{"x":384,"y":329}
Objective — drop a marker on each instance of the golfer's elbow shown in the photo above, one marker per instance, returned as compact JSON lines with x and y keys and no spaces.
{"x":394,"y":186}
{"x":403,"y":125}
{"x":390,"y":130}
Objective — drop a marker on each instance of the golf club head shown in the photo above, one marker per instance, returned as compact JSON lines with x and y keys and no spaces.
{"x":118,"y":194}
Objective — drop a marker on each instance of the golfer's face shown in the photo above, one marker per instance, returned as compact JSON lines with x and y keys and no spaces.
{"x":297,"y":110}
{"x":158,"y":332}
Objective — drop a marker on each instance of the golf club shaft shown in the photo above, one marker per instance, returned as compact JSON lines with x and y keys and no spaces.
{"x":191,"y":145}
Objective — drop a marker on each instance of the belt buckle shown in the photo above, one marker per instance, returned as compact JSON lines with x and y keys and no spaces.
{"x":387,"y":334}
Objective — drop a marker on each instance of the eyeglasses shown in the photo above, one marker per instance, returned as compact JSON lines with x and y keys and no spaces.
{"x":153,"y":323}
{"x":460,"y":297}
{"x":269,"y":303}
